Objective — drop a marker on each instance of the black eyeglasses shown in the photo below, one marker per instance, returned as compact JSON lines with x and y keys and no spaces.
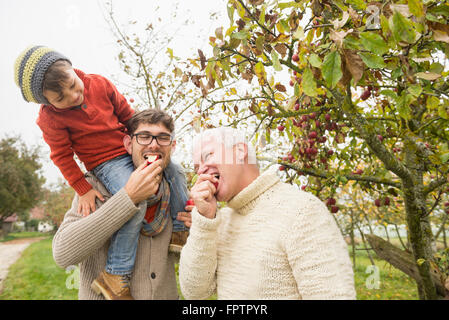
{"x":145,"y":139}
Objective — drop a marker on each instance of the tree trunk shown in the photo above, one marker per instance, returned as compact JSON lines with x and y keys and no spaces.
{"x":405,"y":262}
{"x":352,"y":239}
{"x":420,"y":232}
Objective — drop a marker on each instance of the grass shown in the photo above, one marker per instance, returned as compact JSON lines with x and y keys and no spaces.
{"x":22,"y":235}
{"x":35,"y":276}
{"x":392,"y":284}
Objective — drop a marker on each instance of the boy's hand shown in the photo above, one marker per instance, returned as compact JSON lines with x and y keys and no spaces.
{"x":86,"y":204}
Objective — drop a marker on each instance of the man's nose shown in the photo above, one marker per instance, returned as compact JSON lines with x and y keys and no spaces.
{"x":153,"y":144}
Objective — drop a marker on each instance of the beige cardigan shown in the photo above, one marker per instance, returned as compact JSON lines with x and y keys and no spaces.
{"x":85,"y":241}
{"x":273,"y":241}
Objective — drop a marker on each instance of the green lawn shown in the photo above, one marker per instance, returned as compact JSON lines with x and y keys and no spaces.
{"x":35,"y":276}
{"x":392,"y":284}
{"x":23,"y":235}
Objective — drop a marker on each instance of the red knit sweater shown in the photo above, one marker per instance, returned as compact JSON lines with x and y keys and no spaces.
{"x":93,"y":131}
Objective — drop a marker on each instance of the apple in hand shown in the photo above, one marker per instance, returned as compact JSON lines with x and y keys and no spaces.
{"x":150,"y":159}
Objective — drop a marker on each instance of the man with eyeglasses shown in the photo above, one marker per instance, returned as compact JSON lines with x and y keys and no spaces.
{"x":86,"y":241}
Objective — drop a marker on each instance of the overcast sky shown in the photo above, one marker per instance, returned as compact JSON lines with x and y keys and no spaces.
{"x":78,"y":30}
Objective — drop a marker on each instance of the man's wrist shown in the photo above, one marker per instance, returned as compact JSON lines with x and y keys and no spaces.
{"x":131,"y":195}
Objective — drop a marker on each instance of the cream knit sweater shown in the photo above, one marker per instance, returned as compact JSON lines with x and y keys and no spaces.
{"x":273,"y":241}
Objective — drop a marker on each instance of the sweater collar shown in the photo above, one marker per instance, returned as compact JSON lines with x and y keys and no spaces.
{"x":246,"y":199}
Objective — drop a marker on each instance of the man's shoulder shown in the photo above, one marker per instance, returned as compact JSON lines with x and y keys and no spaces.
{"x":293,"y":200}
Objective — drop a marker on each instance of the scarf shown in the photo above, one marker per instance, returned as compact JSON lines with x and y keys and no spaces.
{"x":161,"y":216}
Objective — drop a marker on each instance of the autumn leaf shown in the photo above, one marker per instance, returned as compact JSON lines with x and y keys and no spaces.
{"x":354,"y":64}
{"x":202,"y":59}
{"x":280,"y":87}
{"x":259,"y":70}
{"x":428,"y":75}
{"x":338,"y":36}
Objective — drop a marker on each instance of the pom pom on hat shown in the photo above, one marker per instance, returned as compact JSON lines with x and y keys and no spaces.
{"x":29,"y":71}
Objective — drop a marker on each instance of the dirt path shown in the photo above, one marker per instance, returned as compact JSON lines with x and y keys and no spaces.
{"x":10,"y":251}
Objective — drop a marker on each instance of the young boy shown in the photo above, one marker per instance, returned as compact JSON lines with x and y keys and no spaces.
{"x":84,"y":114}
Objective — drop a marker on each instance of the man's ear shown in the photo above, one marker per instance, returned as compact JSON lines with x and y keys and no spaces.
{"x":173,"y":147}
{"x":241,"y":153}
{"x":128,"y":143}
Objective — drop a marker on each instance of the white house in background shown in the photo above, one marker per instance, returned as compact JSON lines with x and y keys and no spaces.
{"x":45,"y":227}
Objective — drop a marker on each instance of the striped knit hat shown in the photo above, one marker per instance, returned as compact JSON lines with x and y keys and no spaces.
{"x":29,"y":71}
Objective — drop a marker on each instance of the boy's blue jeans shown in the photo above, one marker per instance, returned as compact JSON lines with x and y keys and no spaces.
{"x":114,"y":175}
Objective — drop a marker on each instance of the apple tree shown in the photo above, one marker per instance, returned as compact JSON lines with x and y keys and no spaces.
{"x":340,"y":91}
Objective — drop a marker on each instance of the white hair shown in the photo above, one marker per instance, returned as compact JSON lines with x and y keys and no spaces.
{"x":229,"y":137}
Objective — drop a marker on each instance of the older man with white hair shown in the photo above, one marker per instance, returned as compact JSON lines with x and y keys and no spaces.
{"x":271,"y":241}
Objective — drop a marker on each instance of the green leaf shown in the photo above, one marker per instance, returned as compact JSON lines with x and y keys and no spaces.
{"x":416,"y":7}
{"x":315,"y":61}
{"x":296,"y":89}
{"x":350,"y":42}
{"x":332,"y":69}
{"x":308,"y":83}
{"x":384,"y":25}
{"x":275,"y":58}
{"x":240,"y":35}
{"x":371,"y":60}
{"x":231,"y":14}
{"x":373,"y":42}
{"x":286,"y":5}
{"x":440,"y":10}
{"x":389,"y":93}
{"x":444,"y":157}
{"x":442,"y":112}
{"x":415,"y":90}
{"x":262,"y":15}
{"x":402,"y":28}
{"x":396,"y":73}
{"x":420,"y":261}
{"x":403,"y":106}
{"x":432,"y":102}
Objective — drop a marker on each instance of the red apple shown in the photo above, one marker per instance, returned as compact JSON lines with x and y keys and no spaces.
{"x":331,"y":202}
{"x":365,"y":95}
{"x":295,"y":57}
{"x":313,"y":135}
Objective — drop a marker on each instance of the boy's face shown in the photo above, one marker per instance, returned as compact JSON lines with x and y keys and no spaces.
{"x":71,"y":95}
